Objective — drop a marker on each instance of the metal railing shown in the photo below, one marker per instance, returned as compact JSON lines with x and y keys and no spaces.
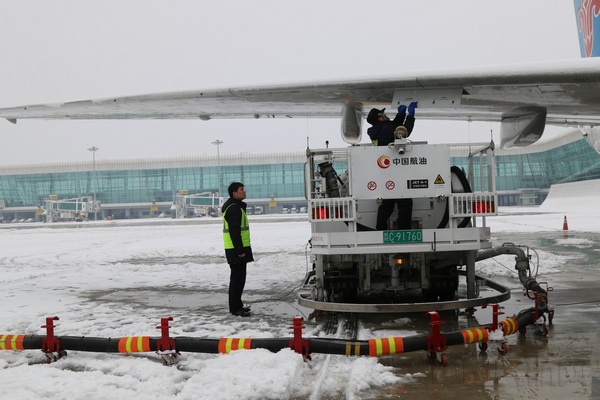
{"x":478,"y":204}
{"x":332,"y":209}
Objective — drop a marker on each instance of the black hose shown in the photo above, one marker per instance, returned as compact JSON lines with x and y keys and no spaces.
{"x":372,"y":347}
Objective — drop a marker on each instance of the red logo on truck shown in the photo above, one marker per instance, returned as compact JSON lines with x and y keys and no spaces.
{"x":384,"y":162}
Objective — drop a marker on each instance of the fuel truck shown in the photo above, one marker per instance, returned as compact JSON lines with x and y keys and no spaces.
{"x":432,"y":266}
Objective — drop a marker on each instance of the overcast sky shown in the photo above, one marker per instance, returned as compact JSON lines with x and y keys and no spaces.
{"x":73,"y":50}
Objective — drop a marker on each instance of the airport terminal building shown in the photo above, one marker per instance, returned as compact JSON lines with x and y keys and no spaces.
{"x":142,"y":188}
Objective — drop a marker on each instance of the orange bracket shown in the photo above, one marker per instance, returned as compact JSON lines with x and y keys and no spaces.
{"x":495,"y":315}
{"x":436,"y":343}
{"x":298,"y":344}
{"x":51,"y":344}
{"x":165,"y":342}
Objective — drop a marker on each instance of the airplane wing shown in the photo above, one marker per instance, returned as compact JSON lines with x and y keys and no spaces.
{"x":523,"y":97}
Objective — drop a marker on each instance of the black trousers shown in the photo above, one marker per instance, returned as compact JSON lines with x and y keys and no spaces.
{"x":387,"y":208}
{"x":237,"y":281}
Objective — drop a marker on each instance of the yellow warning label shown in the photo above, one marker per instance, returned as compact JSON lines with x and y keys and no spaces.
{"x":439,"y":180}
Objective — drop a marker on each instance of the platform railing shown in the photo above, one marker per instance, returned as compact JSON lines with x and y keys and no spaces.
{"x":332,"y":209}
{"x":477,"y":204}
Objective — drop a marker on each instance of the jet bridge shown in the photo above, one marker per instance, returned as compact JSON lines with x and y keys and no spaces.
{"x":197,"y":205}
{"x":75,"y":209}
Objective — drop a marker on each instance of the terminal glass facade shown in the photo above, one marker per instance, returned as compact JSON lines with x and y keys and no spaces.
{"x":573,"y":162}
{"x":266,"y":177}
{"x":152,"y":185}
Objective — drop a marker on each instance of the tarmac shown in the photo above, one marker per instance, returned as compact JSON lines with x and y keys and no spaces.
{"x":564,"y":364}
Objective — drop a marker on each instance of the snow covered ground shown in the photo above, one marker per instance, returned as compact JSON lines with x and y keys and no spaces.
{"x":115,"y":279}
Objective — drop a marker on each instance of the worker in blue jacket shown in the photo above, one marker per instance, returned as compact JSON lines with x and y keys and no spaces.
{"x":382,"y":134}
{"x":382,"y":131}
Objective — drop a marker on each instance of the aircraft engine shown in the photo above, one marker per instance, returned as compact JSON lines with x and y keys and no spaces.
{"x":352,"y":118}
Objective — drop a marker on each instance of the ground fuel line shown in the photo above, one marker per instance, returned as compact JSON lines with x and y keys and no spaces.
{"x":436,"y":342}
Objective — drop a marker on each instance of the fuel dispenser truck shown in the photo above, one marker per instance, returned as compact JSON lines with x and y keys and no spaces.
{"x":432,"y":266}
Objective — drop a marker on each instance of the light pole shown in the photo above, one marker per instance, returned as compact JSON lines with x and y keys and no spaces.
{"x":94,"y":149}
{"x":218,"y":143}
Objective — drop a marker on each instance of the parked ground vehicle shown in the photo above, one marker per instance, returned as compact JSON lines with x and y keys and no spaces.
{"x":431,"y":266}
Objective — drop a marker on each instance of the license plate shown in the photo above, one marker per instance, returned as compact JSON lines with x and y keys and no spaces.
{"x":405,"y":236}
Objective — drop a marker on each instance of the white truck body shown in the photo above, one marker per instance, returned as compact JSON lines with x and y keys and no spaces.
{"x":355,"y":263}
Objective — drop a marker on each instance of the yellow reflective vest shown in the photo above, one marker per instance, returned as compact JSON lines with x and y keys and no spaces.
{"x":245,"y":230}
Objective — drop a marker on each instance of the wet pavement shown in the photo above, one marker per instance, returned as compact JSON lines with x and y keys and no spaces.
{"x":562,"y":365}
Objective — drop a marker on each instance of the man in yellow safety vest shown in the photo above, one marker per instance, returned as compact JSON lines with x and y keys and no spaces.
{"x":236,"y":238}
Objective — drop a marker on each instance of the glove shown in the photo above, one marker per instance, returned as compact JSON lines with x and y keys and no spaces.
{"x":401,"y":109}
{"x":411,"y":108}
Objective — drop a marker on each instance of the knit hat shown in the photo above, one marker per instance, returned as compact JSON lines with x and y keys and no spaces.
{"x":374,"y":114}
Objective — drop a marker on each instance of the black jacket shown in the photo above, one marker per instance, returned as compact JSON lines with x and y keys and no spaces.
{"x":383,"y":132}
{"x":234,"y":219}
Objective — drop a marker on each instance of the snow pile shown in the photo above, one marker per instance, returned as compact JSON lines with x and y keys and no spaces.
{"x":574,"y":196}
{"x":119,"y":280}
